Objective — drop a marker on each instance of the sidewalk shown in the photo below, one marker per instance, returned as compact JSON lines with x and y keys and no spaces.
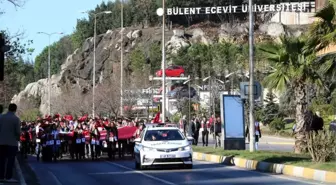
{"x":17,"y":175}
{"x":274,"y":140}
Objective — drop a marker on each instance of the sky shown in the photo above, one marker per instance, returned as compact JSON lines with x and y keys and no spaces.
{"x":44,"y":16}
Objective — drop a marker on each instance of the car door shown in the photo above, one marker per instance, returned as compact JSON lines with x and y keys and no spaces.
{"x":169,"y":71}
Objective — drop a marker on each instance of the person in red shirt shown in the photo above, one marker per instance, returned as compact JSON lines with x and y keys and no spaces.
{"x":24,"y":140}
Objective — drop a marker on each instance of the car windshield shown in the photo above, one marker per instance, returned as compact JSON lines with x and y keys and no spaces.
{"x":163,"y":135}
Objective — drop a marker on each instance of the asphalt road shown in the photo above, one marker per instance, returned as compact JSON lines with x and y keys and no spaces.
{"x":269,"y":143}
{"x":123,"y":173}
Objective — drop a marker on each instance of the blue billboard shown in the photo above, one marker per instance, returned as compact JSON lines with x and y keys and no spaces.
{"x":232,"y":115}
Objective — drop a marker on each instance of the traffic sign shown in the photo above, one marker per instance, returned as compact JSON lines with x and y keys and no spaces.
{"x":245,"y":90}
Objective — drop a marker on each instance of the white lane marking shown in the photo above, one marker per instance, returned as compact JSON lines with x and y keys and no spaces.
{"x":19,"y":173}
{"x":142,"y":173}
{"x":112,"y":173}
{"x":53,"y":176}
{"x":272,"y":175}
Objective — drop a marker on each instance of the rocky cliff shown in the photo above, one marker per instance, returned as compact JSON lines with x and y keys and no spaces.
{"x":76,"y":73}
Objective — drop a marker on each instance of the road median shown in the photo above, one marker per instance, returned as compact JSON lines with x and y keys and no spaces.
{"x":285,"y":163}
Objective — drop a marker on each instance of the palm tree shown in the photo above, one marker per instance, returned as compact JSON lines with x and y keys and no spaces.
{"x":322,"y":35}
{"x":292,"y":66}
{"x":323,"y":31}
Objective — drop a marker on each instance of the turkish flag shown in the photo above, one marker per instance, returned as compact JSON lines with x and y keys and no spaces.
{"x":157,"y":118}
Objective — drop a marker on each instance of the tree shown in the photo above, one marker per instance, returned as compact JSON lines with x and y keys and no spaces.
{"x":16,"y":3}
{"x":29,"y":109}
{"x":59,"y":51}
{"x":108,"y":98}
{"x":18,"y":71}
{"x":70,"y":103}
{"x":323,"y":31}
{"x":271,"y":110}
{"x":293,"y":67}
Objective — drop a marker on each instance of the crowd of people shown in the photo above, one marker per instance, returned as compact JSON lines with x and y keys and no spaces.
{"x":82,"y":138}
{"x":207,"y":126}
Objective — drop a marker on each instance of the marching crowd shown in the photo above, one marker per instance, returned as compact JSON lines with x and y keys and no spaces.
{"x":55,"y":137}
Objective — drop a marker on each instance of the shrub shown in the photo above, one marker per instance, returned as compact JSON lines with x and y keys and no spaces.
{"x":277,"y":124}
{"x":175,"y":118}
{"x":321,"y":145}
{"x":29,"y":115}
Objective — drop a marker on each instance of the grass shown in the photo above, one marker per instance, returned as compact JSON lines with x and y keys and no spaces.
{"x":303,"y":160}
{"x":287,"y":132}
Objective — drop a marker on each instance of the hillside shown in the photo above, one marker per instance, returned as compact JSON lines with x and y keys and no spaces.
{"x":72,"y":86}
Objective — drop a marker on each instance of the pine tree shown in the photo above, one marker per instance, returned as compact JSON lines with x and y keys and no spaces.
{"x":271,"y":110}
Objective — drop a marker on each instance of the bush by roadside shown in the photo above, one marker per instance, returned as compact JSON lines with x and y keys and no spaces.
{"x":303,"y":160}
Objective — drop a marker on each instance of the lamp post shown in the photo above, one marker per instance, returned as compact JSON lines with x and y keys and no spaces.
{"x":189,"y":97}
{"x":251,"y":89}
{"x":94,"y":56}
{"x":161,"y":12}
{"x":211,"y":80}
{"x":122,"y":58}
{"x":49,"y":80}
{"x":188,"y":81}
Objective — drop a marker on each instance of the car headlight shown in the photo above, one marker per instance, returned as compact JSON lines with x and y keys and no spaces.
{"x":186,"y":148}
{"x":147,"y":149}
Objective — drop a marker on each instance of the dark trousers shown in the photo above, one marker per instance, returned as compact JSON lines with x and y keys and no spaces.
{"x":95,"y":151}
{"x":72,"y":150}
{"x":205,"y":137}
{"x":24,"y":149}
{"x":7,"y":159}
{"x":111,"y":148}
{"x":121,"y":148}
{"x":32,"y":147}
{"x":80,"y":151}
{"x":196,"y":138}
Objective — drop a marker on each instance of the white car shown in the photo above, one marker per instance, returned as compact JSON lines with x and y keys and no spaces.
{"x":162,"y":146}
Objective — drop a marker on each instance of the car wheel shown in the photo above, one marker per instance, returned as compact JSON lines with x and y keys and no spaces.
{"x":182,"y":75}
{"x":188,"y":166}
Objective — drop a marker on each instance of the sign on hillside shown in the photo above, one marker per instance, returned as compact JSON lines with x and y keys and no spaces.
{"x":282,"y":7}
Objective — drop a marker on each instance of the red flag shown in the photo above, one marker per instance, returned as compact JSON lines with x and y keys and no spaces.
{"x":83,"y":118}
{"x":157,"y":118}
{"x":68,"y":117}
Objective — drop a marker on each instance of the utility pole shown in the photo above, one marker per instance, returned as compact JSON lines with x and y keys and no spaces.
{"x":161,"y":12}
{"x":251,"y":89}
{"x":94,"y":66}
{"x":94,"y":57}
{"x":163,"y":64}
{"x":122,"y":59}
{"x":49,"y":66}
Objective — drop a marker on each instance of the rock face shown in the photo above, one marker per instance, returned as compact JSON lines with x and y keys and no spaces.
{"x":76,"y":71}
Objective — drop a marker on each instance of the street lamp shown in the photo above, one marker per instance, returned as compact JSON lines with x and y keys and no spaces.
{"x":49,"y":80}
{"x":211,"y":78}
{"x":94,"y":56}
{"x":122,"y":58}
{"x":188,"y":81}
{"x":161,"y":12}
{"x":251,"y":90}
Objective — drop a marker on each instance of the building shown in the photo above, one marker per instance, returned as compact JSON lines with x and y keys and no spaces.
{"x":299,"y":18}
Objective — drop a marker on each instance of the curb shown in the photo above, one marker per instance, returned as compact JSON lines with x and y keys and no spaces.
{"x":22,"y":181}
{"x":289,"y":170}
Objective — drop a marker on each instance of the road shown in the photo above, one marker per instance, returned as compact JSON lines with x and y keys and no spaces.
{"x":123,"y":173}
{"x":265,"y":143}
